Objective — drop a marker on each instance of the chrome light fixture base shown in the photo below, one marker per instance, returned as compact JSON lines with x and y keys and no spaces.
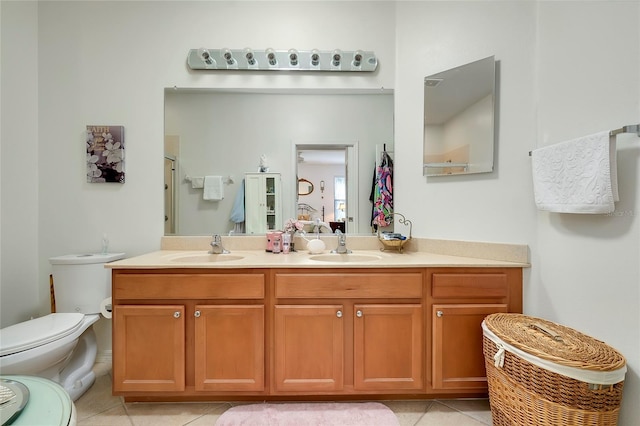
{"x":282,"y":60}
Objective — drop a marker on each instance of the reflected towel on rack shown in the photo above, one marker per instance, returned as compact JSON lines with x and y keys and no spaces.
{"x":197,"y":182}
{"x":213,"y":189}
{"x":577,"y":176}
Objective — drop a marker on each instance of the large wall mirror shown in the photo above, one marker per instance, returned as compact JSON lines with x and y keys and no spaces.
{"x":459,"y":107}
{"x":225,"y":132}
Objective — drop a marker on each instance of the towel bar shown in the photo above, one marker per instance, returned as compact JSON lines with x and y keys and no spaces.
{"x":631,"y":128}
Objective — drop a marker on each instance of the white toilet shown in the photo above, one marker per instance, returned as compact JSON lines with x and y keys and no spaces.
{"x":62,"y":346}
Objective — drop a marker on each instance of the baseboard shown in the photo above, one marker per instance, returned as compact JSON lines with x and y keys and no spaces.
{"x":104,"y":356}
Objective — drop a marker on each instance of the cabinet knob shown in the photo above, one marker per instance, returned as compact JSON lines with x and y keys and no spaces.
{"x":176,"y":314}
{"x":439,"y":314}
{"x":196,"y":314}
{"x":359,"y":313}
{"x":339,"y":314}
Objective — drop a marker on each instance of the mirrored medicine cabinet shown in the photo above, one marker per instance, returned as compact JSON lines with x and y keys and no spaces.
{"x":459,"y":116}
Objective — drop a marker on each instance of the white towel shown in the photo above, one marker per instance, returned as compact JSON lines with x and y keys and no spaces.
{"x":213,"y":189}
{"x":577,"y":176}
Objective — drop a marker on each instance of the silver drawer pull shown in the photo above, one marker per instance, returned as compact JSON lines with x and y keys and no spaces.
{"x":196,"y":314}
{"x":339,"y":314}
{"x":359,"y":313}
{"x":176,"y":314}
{"x":439,"y":314}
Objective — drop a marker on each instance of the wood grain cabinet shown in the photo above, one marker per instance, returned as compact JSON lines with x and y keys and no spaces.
{"x":148,"y":348}
{"x":459,"y":301}
{"x":198,"y":334}
{"x":188,"y":333}
{"x":348,"y":332}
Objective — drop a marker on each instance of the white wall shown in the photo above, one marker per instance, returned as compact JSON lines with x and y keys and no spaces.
{"x":22,"y":293}
{"x":587,"y":275}
{"x":557,"y":79}
{"x":108,"y":62}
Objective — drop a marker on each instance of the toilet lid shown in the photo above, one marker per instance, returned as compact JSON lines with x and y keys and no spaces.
{"x":38,"y":331}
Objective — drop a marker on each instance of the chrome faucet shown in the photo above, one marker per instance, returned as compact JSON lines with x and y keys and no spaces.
{"x":342,"y":243}
{"x":216,"y":246}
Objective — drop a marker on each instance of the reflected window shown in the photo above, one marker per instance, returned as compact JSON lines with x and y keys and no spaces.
{"x":339,"y":198}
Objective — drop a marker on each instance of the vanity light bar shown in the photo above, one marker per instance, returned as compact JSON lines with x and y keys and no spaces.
{"x":282,"y":60}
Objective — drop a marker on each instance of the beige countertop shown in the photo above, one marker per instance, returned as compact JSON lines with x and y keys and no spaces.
{"x":248,"y":252}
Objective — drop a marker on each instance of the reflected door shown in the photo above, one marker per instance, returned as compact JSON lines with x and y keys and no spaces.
{"x":169,"y":196}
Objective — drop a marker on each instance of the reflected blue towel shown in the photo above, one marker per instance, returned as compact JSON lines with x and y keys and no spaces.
{"x":237,"y":212}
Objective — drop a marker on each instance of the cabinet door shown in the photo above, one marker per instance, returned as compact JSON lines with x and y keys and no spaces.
{"x":229,"y":348}
{"x":309,"y":348}
{"x":388,"y":352}
{"x":263,"y":199}
{"x":255,"y":204}
{"x":148,"y":348}
{"x":458,"y":361}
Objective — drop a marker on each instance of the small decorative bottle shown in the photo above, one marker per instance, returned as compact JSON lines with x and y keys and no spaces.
{"x":276,"y":244}
{"x":286,"y":243}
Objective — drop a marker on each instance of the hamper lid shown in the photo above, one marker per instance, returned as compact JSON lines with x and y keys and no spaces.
{"x":553,"y":342}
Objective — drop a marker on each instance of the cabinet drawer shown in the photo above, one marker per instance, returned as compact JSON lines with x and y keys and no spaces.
{"x":188,"y":286}
{"x":349,"y":285}
{"x":474,"y":285}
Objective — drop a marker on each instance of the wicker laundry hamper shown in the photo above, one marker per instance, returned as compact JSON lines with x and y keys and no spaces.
{"x":542,"y":373}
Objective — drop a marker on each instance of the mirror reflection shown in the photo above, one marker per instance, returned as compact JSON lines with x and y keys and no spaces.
{"x":305,"y":187}
{"x":459,"y":119}
{"x":233,"y":132}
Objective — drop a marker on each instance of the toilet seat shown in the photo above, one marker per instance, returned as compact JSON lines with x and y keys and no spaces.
{"x":39,"y":331}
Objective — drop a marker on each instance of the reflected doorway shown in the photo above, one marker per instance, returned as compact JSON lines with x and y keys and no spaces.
{"x":332,"y":168}
{"x":169,"y":195}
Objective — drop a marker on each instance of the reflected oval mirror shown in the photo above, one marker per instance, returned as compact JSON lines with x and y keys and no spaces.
{"x":304,"y":187}
{"x":459,"y":106}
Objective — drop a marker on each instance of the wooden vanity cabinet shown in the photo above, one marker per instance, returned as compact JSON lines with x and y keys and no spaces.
{"x":197,"y":334}
{"x":459,"y":299}
{"x":184,"y":333}
{"x":348,"y":331}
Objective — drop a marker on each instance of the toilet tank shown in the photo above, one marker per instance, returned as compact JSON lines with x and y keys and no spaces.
{"x":81,"y":282}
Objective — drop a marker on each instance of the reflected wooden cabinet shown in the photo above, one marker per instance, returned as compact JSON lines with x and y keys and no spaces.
{"x":263,"y":202}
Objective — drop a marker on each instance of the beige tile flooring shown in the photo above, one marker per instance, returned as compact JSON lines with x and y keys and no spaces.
{"x":98,"y":407}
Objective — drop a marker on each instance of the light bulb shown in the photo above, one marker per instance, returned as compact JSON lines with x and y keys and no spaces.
{"x":293,"y":57}
{"x":206,"y":56}
{"x":357,"y":58}
{"x":315,"y":57}
{"x":248,"y":54}
{"x":271,"y":57}
{"x":227,"y":56}
{"x":336,"y":58}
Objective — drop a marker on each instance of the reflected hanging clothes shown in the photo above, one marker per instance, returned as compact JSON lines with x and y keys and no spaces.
{"x":383,"y":192}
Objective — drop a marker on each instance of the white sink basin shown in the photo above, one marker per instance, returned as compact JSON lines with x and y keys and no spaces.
{"x":345,"y":258}
{"x":206,"y":258}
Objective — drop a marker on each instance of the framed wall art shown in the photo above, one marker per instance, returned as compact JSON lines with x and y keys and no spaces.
{"x":105,"y":154}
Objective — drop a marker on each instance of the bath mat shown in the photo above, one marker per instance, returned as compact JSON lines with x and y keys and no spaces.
{"x":310,"y":414}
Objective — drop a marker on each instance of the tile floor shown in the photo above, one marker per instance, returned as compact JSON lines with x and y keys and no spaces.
{"x":98,"y":407}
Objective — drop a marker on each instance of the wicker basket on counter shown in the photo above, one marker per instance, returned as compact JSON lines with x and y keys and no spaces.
{"x":542,"y":373}
{"x":396,"y":244}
